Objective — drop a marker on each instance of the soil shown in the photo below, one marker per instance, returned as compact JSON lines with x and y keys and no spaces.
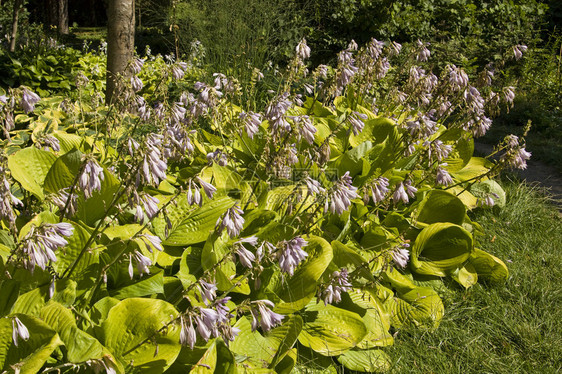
{"x":537,"y":173}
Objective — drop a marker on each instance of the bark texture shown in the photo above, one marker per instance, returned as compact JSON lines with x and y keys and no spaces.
{"x":120,"y":43}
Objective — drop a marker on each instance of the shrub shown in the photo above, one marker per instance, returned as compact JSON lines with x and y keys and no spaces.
{"x":172,"y":233}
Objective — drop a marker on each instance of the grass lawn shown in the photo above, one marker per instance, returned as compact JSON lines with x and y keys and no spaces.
{"x":511,"y":328}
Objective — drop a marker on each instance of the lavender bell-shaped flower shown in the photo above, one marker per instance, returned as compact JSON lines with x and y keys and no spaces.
{"x":91,"y":177}
{"x":208,"y":188}
{"x":208,"y":291}
{"x":303,"y":51}
{"x":356,"y":120}
{"x":443,"y":176}
{"x":265,"y":317}
{"x":232,"y":221}
{"x":188,"y":336}
{"x":178,"y":70}
{"x":28,"y":100}
{"x":342,"y":194}
{"x":338,"y":283}
{"x":400,"y":194}
{"x":40,"y":243}
{"x":401,"y":255}
{"x":379,"y":189}
{"x":136,"y":83}
{"x":19,"y":331}
{"x":292,"y":254}
{"x":252,"y":123}
{"x":152,"y":241}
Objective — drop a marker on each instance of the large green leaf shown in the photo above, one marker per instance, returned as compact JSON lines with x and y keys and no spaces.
{"x":217,"y":359}
{"x":68,"y":141}
{"x":488,"y":266}
{"x":441,"y":206}
{"x":30,"y":355}
{"x":261,"y":351}
{"x":63,"y":172}
{"x":377,"y":130}
{"x":30,"y":167}
{"x":489,"y":187}
{"x":349,"y":258}
{"x":150,"y":285}
{"x":421,"y":307}
{"x":440,"y":249}
{"x":374,"y":315}
{"x":477,"y":166}
{"x":330,"y":330}
{"x":369,"y":361}
{"x":80,"y":346}
{"x":135,"y":332}
{"x":197,"y":226}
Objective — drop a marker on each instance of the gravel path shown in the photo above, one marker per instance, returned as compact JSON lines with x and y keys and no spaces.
{"x":536,"y":173}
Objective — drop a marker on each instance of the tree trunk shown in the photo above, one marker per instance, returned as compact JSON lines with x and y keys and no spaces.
{"x":62,"y":17}
{"x":120,"y":42}
{"x":13,"y":38}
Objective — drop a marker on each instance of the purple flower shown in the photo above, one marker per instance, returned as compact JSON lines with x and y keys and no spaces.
{"x":400,"y":194}
{"x":136,"y":65}
{"x":276,"y":110}
{"x":313,"y":186}
{"x":266,"y":317}
{"x":379,"y":189}
{"x":19,"y":331}
{"x":152,"y":241}
{"x":410,"y":190}
{"x":187,"y":333}
{"x":306,"y":128}
{"x":28,"y":100}
{"x":375,"y":48}
{"x":193,"y":195}
{"x":395,"y":49}
{"x":292,"y":254}
{"x":443,"y":176}
{"x":518,"y":50}
{"x":252,"y":123}
{"x":401,"y":255}
{"x":208,"y":188}
{"x":356,"y":120}
{"x":142,"y":263}
{"x":342,"y":194}
{"x":217,"y":156}
{"x":40,"y":243}
{"x":136,"y":83}
{"x":91,"y":177}
{"x":178,"y":70}
{"x":246,"y":257}
{"x":520,"y":159}
{"x":338,"y":283}
{"x":232,"y":221}
{"x":509,"y":94}
{"x":458,"y":79}
{"x":303,"y":51}
{"x":153,"y":167}
{"x":208,"y":291}
{"x":424,"y":53}
{"x":488,"y":200}
{"x":150,"y":205}
{"x":206,"y":322}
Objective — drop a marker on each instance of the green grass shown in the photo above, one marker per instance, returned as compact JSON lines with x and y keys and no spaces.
{"x":515,"y":327}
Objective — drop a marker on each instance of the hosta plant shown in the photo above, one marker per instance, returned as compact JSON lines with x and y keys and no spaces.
{"x":196,"y":232}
